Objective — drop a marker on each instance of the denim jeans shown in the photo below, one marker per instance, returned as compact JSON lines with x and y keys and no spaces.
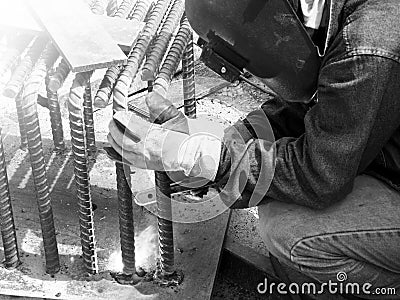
{"x":359,"y":235}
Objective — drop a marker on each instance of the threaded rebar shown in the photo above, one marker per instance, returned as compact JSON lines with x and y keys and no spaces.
{"x":8,"y":233}
{"x":162,"y":40}
{"x":140,"y":10}
{"x":138,"y":52}
{"x":38,"y":163}
{"x":21,"y":121}
{"x":14,"y":50}
{"x":79,"y":150}
{"x":189,"y":85}
{"x":19,"y":75}
{"x":88,"y":118}
{"x":124,"y":9}
{"x":57,"y":78}
{"x":55,"y":117}
{"x":173,"y":57}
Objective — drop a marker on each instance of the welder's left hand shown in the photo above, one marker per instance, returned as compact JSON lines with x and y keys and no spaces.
{"x":195,"y":152}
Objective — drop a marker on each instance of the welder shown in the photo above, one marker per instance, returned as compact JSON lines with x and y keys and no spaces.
{"x":321,"y":160}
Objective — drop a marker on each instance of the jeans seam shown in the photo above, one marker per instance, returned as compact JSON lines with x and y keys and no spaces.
{"x":342,"y":233}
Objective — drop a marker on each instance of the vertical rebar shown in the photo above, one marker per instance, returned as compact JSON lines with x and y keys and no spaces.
{"x":81,"y":171}
{"x":125,"y":214}
{"x":163,"y":189}
{"x":8,"y":233}
{"x":54,"y":81}
{"x":58,"y":77}
{"x":189,"y":85}
{"x":19,"y":75}
{"x":55,"y":117}
{"x":21,"y":121}
{"x":162,"y":40}
{"x":88,"y":118}
{"x":38,"y":162}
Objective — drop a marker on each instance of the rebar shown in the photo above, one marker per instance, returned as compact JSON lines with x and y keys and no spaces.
{"x":138,"y":52}
{"x":163,"y":182}
{"x":104,"y":91}
{"x":125,"y":214}
{"x":19,"y":75}
{"x":96,"y":6}
{"x":140,"y":10}
{"x":124,"y":9}
{"x":162,"y":40}
{"x":38,"y":162}
{"x":88,"y":119}
{"x":14,"y":50}
{"x":21,"y":121}
{"x":81,"y":171}
{"x":55,"y":117}
{"x":57,"y":78}
{"x":8,"y":233}
{"x":189,"y":85}
{"x":173,"y":58}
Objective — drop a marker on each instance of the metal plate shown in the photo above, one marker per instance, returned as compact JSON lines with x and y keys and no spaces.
{"x":77,"y":34}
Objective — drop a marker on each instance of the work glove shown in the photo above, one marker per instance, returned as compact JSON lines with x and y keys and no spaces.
{"x":192,"y":147}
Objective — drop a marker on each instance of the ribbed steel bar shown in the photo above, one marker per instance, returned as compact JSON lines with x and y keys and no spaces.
{"x":55,"y":117}
{"x":124,"y":9}
{"x":140,"y":10}
{"x":54,"y":81}
{"x":125,"y":215}
{"x":97,"y":7}
{"x":14,"y":49}
{"x":19,"y":75}
{"x":173,"y":57}
{"x":104,"y":91}
{"x":38,"y":162}
{"x":57,"y":78}
{"x":88,"y":118}
{"x":162,"y":40}
{"x":136,"y":55}
{"x":138,"y":52}
{"x":163,"y":189}
{"x":8,"y":233}
{"x":81,"y":171}
{"x":189,"y":85}
{"x":21,"y":121}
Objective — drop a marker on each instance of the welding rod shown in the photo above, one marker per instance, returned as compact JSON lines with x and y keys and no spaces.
{"x":30,"y":94}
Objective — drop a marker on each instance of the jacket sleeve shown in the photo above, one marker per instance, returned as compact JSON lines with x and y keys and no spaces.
{"x":357,"y":112}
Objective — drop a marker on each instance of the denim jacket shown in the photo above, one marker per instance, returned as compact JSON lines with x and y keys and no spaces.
{"x":353,"y":129}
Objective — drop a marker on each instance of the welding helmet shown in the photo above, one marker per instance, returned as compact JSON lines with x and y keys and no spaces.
{"x":264,"y":37}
